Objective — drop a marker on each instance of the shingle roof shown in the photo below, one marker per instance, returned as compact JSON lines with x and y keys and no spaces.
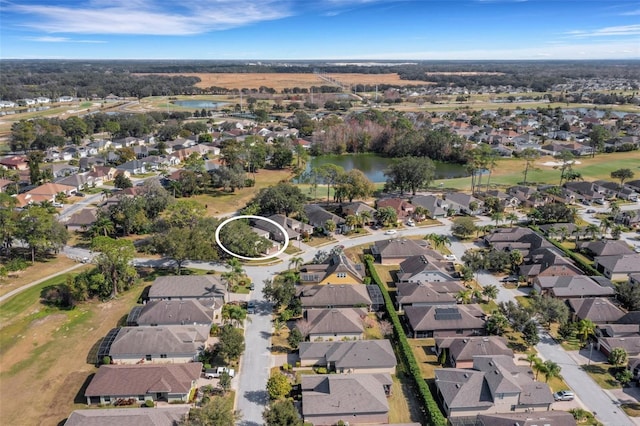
{"x":546,"y":418}
{"x":329,"y":321}
{"x":606,"y":247}
{"x":463,"y":388}
{"x":464,"y":349}
{"x":188,"y":286}
{"x":354,"y":354}
{"x":168,"y":312}
{"x":424,"y":318}
{"x":334,"y":295}
{"x":577,"y":285}
{"x":618,"y":264}
{"x":418,"y":292}
{"x":630,"y":344}
{"x":141,"y":379}
{"x":176,"y":339}
{"x":336,"y":263}
{"x":84,"y":217}
{"x":160,"y":416}
{"x":597,"y":309}
{"x":398,"y":248}
{"x":344,"y":394}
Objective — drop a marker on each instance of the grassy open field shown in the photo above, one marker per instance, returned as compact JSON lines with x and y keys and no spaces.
{"x":35,"y":272}
{"x":45,"y":350}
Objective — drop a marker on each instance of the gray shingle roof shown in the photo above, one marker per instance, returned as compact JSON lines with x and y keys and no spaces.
{"x":176,"y":339}
{"x":619,"y":264}
{"x":187,"y":286}
{"x":161,"y":416}
{"x":577,"y":285}
{"x":597,"y":309}
{"x":344,"y":394}
{"x":425,"y":318}
{"x":344,"y":320}
{"x":465,"y":349}
{"x":419,"y":292}
{"x":323,"y":296}
{"x":606,"y":247}
{"x":179,"y":312}
{"x":141,"y":379}
{"x":355,"y":354}
{"x":400,"y":248}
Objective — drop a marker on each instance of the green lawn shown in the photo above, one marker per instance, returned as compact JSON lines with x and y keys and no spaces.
{"x":427,"y":360}
{"x":602,"y":374}
{"x":404,"y":407}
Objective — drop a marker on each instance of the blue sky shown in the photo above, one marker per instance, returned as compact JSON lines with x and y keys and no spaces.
{"x":320,"y":29}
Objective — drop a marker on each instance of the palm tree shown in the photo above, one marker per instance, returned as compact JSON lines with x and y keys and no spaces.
{"x":102,"y":226}
{"x":295,"y":262}
{"x":464,"y":296}
{"x":351,"y":221}
{"x":511,"y":217}
{"x":605,"y":224}
{"x":420,"y":213}
{"x":551,"y":370}
{"x":516,"y":258}
{"x":616,"y":231}
{"x":538,"y":366}
{"x":614,"y":208}
{"x":532,"y":358}
{"x":366,"y":217}
{"x":497,"y":217}
{"x":593,"y":230}
{"x":564,"y":232}
{"x":586,"y":329}
{"x":490,"y":292}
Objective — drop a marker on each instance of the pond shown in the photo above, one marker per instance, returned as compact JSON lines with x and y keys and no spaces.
{"x":199,"y":104}
{"x":373,"y":166}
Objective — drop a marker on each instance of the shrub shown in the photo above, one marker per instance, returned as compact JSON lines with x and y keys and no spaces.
{"x":321,"y":370}
{"x":106,"y":359}
{"x":286,"y":366}
{"x":298,"y":364}
{"x":149,"y":403}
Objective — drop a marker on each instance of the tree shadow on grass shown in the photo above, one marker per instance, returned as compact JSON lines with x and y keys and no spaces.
{"x":80,"y":398}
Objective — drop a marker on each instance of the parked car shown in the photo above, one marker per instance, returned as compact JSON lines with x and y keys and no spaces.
{"x":251,"y":307}
{"x":214,"y":373}
{"x":80,"y":194}
{"x":252,"y":286}
{"x":390,"y":232}
{"x":411,"y":223}
{"x":57,"y":205}
{"x":564,"y":395}
{"x":450,"y":257}
{"x":510,"y":279}
{"x":591,"y":211}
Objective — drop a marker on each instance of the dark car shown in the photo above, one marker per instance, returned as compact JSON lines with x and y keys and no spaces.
{"x":80,"y":194}
{"x":510,"y":280}
{"x":251,"y":307}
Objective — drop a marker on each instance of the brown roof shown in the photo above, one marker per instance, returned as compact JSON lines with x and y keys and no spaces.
{"x":344,"y":394}
{"x":596,"y":309}
{"x":343,"y":320}
{"x":187,"y":286}
{"x":84,"y":217}
{"x":126,"y":380}
{"x":172,"y":339}
{"x":324,"y":296}
{"x":169,"y":312}
{"x":399,"y":248}
{"x":160,"y":416}
{"x":423,"y":292}
{"x":354,"y":354}
{"x":334,"y":264}
{"x":622,"y":263}
{"x":429,"y":261}
{"x":577,"y":286}
{"x":466,"y":348}
{"x":424,"y":318}
{"x":606,"y":247}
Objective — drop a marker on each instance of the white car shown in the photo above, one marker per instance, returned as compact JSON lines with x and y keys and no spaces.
{"x":390,"y":232}
{"x":215,"y":373}
{"x":450,"y":257}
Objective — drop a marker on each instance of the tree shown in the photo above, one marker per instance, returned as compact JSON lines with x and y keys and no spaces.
{"x":586,"y":328}
{"x":234,"y":314}
{"x":231,"y":344}
{"x":624,"y":376}
{"x":566,"y":159}
{"x":511,"y":217}
{"x":551,"y":370}
{"x":280,"y":291}
{"x":330,"y":225}
{"x":597,"y":136}
{"x":529,"y":155}
{"x":490,"y":292}
{"x":550,"y":309}
{"x":530,"y":333}
{"x":282,"y":413}
{"x":617,"y":357}
{"x":278,"y":386}
{"x":39,"y":230}
{"x":34,"y":158}
{"x":121,"y":181}
{"x":532,"y":357}
{"x":516,"y":258}
{"x":410,"y":174}
{"x":74,"y":128}
{"x":282,"y":156}
{"x":114,"y":262}
{"x":330,"y":174}
{"x":295,"y":263}
{"x":496,"y":324}
{"x":538,"y":366}
{"x":218,"y":411}
{"x":497,"y":217}
{"x":353,"y":184}
{"x":8,"y":222}
{"x":283,"y":198}
{"x":387,"y":216}
{"x":294,"y":339}
{"x":463,"y":227}
{"x":629,"y":295}
{"x":622,"y":174}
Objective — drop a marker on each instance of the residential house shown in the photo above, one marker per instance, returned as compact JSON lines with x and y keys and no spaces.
{"x":155,"y":382}
{"x":604,"y":248}
{"x":134,"y":167}
{"x":360,"y":356}
{"x":334,"y":296}
{"x":171,"y":312}
{"x":544,"y":418}
{"x":584,"y":191}
{"x":547,"y":262}
{"x":461,"y":350}
{"x":435,"y":206}
{"x":522,"y":239}
{"x":337,"y":269}
{"x":82,"y":220}
{"x":172,"y":344}
{"x":15,"y":162}
{"x":4,"y":184}
{"x":396,"y":250}
{"x":444,"y":321}
{"x":629,"y":218}
{"x":106,"y":172}
{"x":626,"y":336}
{"x":159,"y":416}
{"x":494,"y":385}
{"x":618,"y":267}
{"x":634,"y":279}
{"x":558,"y":231}
{"x":403,"y":208}
{"x":354,"y":398}
{"x":462,"y":203}
{"x":335,"y":324}
{"x":574,"y":286}
{"x":45,"y":192}
{"x":429,"y":267}
{"x":597,"y":309}
{"x":208,"y":289}
{"x":526,"y":196}
{"x":318,"y":217}
{"x":420,"y":293}
{"x":633,"y":365}
{"x":80,"y":181}
{"x":357,"y":208}
{"x":294,"y":228}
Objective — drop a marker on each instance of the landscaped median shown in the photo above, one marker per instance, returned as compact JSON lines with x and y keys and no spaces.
{"x":408,"y":361}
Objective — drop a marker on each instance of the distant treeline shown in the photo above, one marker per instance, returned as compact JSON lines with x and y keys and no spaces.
{"x":53,"y":78}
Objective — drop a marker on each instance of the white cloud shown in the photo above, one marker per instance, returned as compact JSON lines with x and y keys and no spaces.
{"x":622,"y":30}
{"x":50,"y":39}
{"x":631,"y":13}
{"x":150,"y":17}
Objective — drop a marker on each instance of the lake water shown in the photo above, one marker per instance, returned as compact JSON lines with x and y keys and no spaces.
{"x":373,"y":166}
{"x":199,"y":104}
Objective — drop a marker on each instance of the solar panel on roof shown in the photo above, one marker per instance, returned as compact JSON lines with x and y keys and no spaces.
{"x":448,"y":314}
{"x":375,"y":294}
